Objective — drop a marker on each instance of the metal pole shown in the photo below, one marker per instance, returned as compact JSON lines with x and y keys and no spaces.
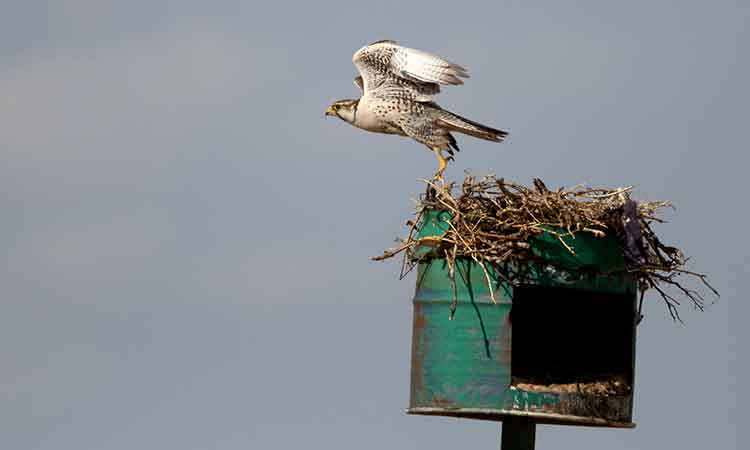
{"x":519,"y":433}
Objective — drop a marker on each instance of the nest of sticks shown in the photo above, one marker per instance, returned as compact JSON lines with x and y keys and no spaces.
{"x":493,"y":221}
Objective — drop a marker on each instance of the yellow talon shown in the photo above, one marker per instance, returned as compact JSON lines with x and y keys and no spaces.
{"x":441,"y":161}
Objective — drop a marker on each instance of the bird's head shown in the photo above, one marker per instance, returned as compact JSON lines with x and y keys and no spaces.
{"x":345,"y":110}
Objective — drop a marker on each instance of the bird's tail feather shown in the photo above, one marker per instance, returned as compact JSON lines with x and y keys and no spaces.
{"x":454,"y":122}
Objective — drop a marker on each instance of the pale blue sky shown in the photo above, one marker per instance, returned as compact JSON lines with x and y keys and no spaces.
{"x":187,"y":241}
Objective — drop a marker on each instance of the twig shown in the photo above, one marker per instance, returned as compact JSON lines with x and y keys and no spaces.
{"x":493,"y":222}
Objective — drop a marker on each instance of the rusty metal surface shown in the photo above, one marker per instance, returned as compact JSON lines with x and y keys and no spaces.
{"x":462,"y":367}
{"x":464,"y":361}
{"x":499,"y":415}
{"x":608,"y":408}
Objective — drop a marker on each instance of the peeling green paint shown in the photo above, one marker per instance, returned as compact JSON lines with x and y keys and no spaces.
{"x":462,"y":367}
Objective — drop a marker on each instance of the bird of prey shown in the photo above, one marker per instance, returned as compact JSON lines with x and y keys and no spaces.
{"x":397,"y":85}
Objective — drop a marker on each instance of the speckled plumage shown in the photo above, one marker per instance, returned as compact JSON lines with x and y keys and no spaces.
{"x":397,"y":85}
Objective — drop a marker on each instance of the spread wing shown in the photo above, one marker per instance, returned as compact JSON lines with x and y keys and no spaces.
{"x":385,"y":65}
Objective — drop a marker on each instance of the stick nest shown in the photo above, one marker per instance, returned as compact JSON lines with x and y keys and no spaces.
{"x":493,"y":222}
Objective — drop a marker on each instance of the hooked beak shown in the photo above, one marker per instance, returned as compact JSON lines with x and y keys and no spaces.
{"x":330,"y":111}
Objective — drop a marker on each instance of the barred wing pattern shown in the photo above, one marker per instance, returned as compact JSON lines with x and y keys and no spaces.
{"x":387,"y":66}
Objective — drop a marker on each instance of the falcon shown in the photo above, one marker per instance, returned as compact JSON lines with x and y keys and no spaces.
{"x":397,"y":85}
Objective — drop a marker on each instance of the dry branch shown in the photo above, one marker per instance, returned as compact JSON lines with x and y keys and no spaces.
{"x":493,"y":220}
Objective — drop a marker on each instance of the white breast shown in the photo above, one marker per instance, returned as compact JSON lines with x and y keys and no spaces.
{"x":369,"y":119}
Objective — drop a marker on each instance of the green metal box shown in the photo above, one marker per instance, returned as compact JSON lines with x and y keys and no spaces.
{"x":558,"y":348}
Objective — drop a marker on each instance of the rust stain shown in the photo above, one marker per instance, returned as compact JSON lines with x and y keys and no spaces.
{"x":612,"y":408}
{"x":441,"y":401}
{"x":417,"y":370}
{"x":419,"y":320}
{"x":504,"y":343}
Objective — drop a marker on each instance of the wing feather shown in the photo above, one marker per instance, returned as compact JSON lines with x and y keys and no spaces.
{"x":385,"y":64}
{"x":426,"y":67}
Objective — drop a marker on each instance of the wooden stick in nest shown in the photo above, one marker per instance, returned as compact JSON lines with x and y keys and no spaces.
{"x":493,"y":220}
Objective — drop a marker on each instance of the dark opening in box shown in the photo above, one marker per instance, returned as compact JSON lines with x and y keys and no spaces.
{"x":566,"y":338}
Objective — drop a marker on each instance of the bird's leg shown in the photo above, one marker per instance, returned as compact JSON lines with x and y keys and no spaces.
{"x":441,"y":161}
